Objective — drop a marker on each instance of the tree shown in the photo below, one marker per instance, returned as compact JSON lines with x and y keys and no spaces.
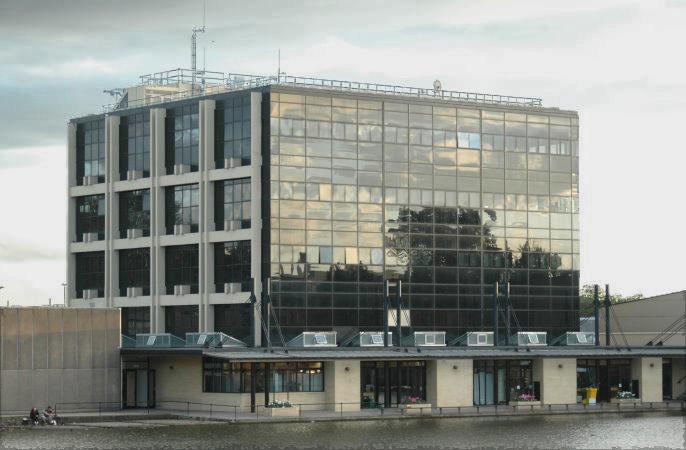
{"x":586,"y":298}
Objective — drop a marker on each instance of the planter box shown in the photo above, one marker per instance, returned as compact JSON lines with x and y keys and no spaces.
{"x":625,"y":400}
{"x":292,"y":411}
{"x":416,"y":408}
{"x":519,"y":403}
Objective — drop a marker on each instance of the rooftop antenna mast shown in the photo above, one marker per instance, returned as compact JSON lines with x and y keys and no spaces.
{"x":194,"y":45}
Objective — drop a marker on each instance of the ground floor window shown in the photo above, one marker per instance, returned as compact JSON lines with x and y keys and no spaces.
{"x":499,"y":382}
{"x":608,"y":376}
{"x":406,"y":380}
{"x":227,"y":377}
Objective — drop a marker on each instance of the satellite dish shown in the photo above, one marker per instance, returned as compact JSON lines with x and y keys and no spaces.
{"x":437,"y":86}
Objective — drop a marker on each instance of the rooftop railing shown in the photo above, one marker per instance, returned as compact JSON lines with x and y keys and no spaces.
{"x":202,"y":83}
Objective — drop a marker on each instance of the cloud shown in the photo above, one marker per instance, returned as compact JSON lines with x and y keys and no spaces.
{"x":617,"y":62}
{"x":13,"y":251}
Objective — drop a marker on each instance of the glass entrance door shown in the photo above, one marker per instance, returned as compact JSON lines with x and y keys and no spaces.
{"x":139,"y":388}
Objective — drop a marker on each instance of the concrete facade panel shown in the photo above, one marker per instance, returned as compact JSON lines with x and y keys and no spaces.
{"x":9,"y":335}
{"x":85,"y":339}
{"x":449,"y":382}
{"x":55,"y":338}
{"x":558,"y":382}
{"x":25,"y":332}
{"x":40,"y":339}
{"x":70,"y":348}
{"x":48,"y":348}
{"x":342,"y":384}
{"x":648,"y":372}
{"x":99,"y":339}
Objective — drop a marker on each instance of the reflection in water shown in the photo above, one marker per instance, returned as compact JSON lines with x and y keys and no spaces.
{"x":564,"y":431}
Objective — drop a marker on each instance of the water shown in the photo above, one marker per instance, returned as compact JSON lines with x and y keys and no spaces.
{"x":630,"y":430}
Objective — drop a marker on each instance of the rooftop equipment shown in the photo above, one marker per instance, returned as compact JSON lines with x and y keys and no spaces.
{"x":530,"y":339}
{"x":158,"y":340}
{"x":425,"y":339}
{"x":575,"y":338}
{"x":474,"y":339}
{"x":127,"y":341}
{"x":212,"y":340}
{"x":367,"y":339}
{"x":314,"y":339}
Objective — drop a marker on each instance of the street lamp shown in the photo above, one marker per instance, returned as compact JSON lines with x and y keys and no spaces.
{"x":64,"y":294}
{"x":1,"y":288}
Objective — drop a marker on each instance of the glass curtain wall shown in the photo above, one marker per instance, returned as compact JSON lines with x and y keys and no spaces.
{"x":232,"y":264}
{"x":90,"y":216}
{"x":134,"y":270}
{"x":181,"y":267}
{"x":179,"y":320}
{"x":90,"y":273}
{"x":232,"y":203}
{"x":182,"y":137}
{"x":233,"y":320}
{"x":135,"y":321}
{"x":134,"y":144}
{"x":90,"y":150}
{"x":182,"y":207}
{"x":134,"y":212}
{"x":446,"y":199}
{"x":232,"y":132}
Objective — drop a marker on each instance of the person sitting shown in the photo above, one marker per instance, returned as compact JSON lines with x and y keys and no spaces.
{"x":49,"y":415}
{"x":34,"y":416}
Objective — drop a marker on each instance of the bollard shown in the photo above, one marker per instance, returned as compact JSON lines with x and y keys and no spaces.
{"x":188,"y":408}
{"x":210,"y":410}
{"x":341,"y":409}
{"x":99,"y":408}
{"x":235,"y":414}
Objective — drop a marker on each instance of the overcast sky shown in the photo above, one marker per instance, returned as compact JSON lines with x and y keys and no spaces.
{"x":619,"y":63}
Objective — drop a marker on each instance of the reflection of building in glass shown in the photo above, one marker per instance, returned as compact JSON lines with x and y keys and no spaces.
{"x":328,"y":189}
{"x":448,"y":197}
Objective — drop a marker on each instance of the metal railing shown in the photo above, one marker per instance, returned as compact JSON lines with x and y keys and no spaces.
{"x":341,"y":410}
{"x":226,"y":82}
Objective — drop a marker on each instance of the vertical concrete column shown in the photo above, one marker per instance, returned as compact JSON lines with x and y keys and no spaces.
{"x":558,"y":380}
{"x":71,"y":211}
{"x":257,"y":222}
{"x":342,"y":384}
{"x":157,"y":169}
{"x":112,"y":207}
{"x":206,"y":158}
{"x":648,"y":372}
{"x":449,"y":382}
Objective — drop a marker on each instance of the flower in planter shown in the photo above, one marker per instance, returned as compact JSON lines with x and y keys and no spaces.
{"x":526,"y":397}
{"x":625,"y":395}
{"x":280,"y":404}
{"x":413,"y":400}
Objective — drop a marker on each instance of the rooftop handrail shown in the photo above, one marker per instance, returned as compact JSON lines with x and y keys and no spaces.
{"x":220,"y":82}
